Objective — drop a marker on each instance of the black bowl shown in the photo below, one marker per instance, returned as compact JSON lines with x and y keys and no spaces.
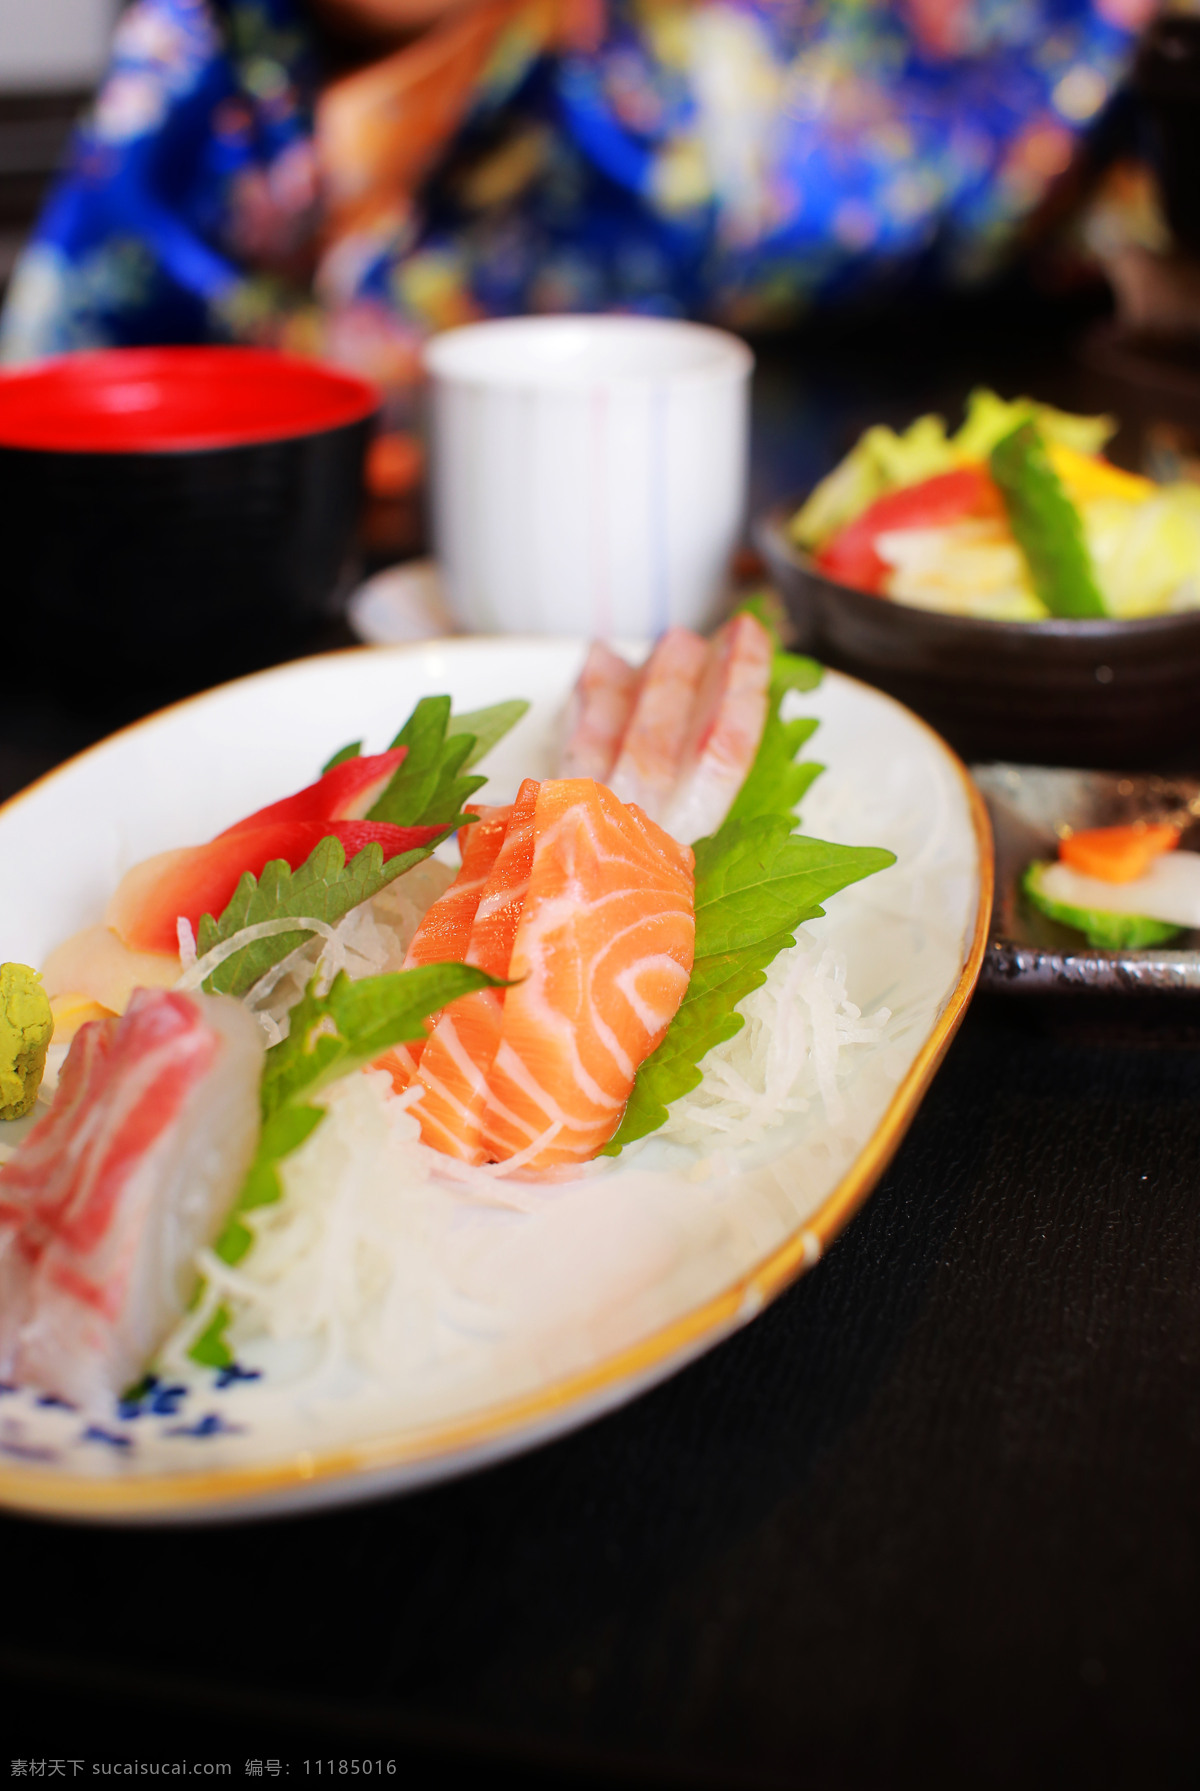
{"x":1105,"y":693}
{"x":173,"y":517}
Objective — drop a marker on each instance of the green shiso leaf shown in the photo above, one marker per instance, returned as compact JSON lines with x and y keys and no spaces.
{"x":488,"y":726}
{"x":324,"y":888}
{"x":329,"y":1036}
{"x":353,"y":751}
{"x":210,"y":1349}
{"x":756,"y":882}
{"x":775,"y":783}
{"x":1100,"y":927}
{"x":427,"y":789}
{"x":1046,"y":524}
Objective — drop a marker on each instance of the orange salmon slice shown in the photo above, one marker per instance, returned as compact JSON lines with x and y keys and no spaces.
{"x":458,"y":1053}
{"x":445,"y":933}
{"x":603,"y":953}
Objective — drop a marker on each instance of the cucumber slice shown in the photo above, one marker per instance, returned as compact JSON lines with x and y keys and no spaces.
{"x":1046,"y":524}
{"x":1110,"y":932}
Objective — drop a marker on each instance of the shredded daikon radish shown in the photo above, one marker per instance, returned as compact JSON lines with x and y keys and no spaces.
{"x":369,"y":941}
{"x":202,"y":968}
{"x":349,"y":1271}
{"x":343,"y":1268}
{"x":187,"y":942}
{"x":785,"y":1056}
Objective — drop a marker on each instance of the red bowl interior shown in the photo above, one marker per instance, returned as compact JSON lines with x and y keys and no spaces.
{"x":143,"y":400}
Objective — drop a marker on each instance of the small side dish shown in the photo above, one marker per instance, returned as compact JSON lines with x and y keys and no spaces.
{"x":1097,"y":883}
{"x":1015,"y":517}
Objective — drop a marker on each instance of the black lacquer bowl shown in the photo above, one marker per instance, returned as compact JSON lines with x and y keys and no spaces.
{"x":171,"y":517}
{"x":1104,"y":693}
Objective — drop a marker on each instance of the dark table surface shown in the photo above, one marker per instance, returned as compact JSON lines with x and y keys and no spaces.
{"x":933,"y":1519}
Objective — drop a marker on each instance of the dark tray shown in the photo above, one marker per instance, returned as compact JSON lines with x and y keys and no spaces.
{"x":1030,"y":954}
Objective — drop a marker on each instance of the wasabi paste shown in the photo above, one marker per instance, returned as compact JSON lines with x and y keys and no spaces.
{"x":25,"y":1028}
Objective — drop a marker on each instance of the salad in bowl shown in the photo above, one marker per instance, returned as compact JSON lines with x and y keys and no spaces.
{"x":1015,"y":517}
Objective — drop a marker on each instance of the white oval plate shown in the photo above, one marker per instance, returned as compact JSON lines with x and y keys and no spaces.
{"x":613,"y":1282}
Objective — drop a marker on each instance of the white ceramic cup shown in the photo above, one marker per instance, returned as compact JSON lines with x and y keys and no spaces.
{"x":588,"y":474}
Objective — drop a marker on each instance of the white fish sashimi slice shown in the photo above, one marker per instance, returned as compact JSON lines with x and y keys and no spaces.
{"x":43,"y":1160}
{"x":144,"y":1148}
{"x":648,"y":764}
{"x":727,"y":723}
{"x":598,"y":714}
{"x":1169,"y":890}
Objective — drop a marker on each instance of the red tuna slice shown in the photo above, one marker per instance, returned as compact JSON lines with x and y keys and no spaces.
{"x":600,"y":963}
{"x":726,"y":727}
{"x":458,"y":1053}
{"x":345,"y":793}
{"x":648,"y":764}
{"x":194,"y":880}
{"x":598,"y":714}
{"x":145,"y":1146}
{"x":445,"y":933}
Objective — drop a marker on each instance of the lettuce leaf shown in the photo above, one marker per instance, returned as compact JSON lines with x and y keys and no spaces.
{"x":883,"y":460}
{"x":990,"y":418}
{"x":329,"y":1036}
{"x":880,"y":461}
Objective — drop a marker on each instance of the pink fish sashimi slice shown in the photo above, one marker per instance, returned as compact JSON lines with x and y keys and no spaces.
{"x":57,"y":1138}
{"x":459,"y":1051}
{"x":599,"y":966}
{"x":344,"y":793}
{"x":134,"y":1167}
{"x":727,"y":723}
{"x":648,"y":763}
{"x":151,"y":898}
{"x":445,"y":933}
{"x":598,"y":714}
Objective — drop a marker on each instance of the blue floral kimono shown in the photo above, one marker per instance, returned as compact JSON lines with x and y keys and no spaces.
{"x":741,"y":160}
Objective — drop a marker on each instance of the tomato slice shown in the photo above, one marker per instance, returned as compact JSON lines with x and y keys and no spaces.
{"x":851,"y":557}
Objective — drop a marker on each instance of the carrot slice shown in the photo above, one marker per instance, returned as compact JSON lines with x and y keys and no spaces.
{"x":1118,"y":854}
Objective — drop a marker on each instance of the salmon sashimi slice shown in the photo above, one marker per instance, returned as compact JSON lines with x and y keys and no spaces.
{"x":726,"y":727}
{"x":598,"y":714}
{"x":648,"y":763}
{"x":105,"y":1203}
{"x":600,"y":963}
{"x":458,"y":1054}
{"x":445,"y":933}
